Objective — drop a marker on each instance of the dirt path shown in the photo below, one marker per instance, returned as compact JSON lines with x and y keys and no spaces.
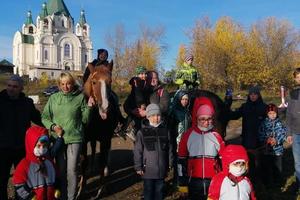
{"x":123,"y":183}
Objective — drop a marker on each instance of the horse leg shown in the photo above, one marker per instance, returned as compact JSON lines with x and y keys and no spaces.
{"x":83,"y":167}
{"x":105,"y":145}
{"x":93,"y":154}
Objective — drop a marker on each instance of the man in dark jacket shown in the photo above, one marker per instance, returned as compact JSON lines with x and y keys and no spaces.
{"x":293,"y":123}
{"x":17,"y":113}
{"x":253,"y":113}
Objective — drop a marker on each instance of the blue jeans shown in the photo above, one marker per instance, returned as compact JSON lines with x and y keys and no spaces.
{"x":153,"y":189}
{"x":296,"y":154}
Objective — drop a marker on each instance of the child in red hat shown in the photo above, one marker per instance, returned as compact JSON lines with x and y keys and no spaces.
{"x":232,"y":183}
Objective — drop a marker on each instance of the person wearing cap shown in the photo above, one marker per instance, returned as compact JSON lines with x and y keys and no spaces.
{"x":272,"y":134}
{"x":198,"y":151}
{"x":232,"y":182}
{"x":153,"y":153}
{"x":35,"y":176}
{"x":187,"y":76}
{"x":253,"y":112}
{"x":135,"y":102}
{"x":102,"y":56}
{"x":17,"y":113}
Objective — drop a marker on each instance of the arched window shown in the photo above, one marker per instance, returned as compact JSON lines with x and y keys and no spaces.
{"x":67,"y":50}
{"x":30,"y":29}
{"x":46,"y":23}
{"x":62,"y":23}
{"x":85,"y":58}
{"x":46,"y":55}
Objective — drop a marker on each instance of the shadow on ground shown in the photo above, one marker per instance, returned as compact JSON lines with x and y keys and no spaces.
{"x":121,"y":175}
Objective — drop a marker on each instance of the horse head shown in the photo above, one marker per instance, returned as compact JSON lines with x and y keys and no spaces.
{"x":98,"y":86}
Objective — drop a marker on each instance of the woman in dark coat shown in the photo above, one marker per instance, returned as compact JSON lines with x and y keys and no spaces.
{"x":253,"y":113}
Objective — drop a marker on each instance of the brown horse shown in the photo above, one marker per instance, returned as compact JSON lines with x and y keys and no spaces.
{"x":97,"y":84}
{"x":103,"y":119}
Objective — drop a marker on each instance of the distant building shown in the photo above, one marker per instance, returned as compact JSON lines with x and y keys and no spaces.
{"x":6,"y":67}
{"x":52,"y":44}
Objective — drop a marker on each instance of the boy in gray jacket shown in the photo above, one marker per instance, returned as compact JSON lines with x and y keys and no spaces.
{"x":153,"y":153}
{"x":293,"y":123}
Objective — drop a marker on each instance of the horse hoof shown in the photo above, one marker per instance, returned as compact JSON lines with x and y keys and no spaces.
{"x":106,"y":171}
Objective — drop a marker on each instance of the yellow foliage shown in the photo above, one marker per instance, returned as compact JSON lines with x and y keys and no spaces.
{"x":227,"y":55}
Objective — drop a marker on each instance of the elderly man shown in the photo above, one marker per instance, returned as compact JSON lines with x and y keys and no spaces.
{"x":17,"y":113}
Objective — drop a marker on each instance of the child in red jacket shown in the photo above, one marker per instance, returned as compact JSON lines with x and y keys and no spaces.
{"x":198,"y":151}
{"x":35,"y":175}
{"x":232,"y":183}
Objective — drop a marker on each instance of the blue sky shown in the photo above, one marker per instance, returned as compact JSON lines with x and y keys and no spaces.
{"x":177,"y":16}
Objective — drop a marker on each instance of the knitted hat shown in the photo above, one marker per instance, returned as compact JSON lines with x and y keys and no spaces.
{"x":205,"y":110}
{"x":44,"y":139}
{"x":272,"y":107}
{"x":188,"y":57}
{"x":254,"y":90}
{"x":17,"y":78}
{"x":140,"y":70}
{"x":152,"y":109}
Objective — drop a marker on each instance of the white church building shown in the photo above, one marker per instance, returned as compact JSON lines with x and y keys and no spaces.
{"x":52,"y":44}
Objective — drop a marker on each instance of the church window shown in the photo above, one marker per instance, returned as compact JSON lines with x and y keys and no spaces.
{"x":46,"y":23}
{"x":85,"y":58}
{"x":30,"y":29}
{"x":52,"y":74}
{"x":67,"y":50}
{"x":67,"y":68}
{"x":62,"y":23}
{"x":46,"y":55}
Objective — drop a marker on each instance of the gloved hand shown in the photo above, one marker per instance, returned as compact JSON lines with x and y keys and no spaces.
{"x":183,"y":189}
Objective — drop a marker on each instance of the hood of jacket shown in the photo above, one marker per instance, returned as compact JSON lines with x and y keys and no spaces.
{"x":32,"y":136}
{"x":232,"y":153}
{"x":176,"y":108}
{"x":199,"y":101}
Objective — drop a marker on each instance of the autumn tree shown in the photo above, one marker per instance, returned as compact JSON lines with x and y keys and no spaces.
{"x":145,"y":50}
{"x":228,"y":56}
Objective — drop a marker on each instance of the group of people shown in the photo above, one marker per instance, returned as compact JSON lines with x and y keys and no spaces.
{"x":167,"y":133}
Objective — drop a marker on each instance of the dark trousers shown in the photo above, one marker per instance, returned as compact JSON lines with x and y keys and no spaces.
{"x":198,"y":188}
{"x":9,"y":157}
{"x":153,"y":189}
{"x":272,"y":169}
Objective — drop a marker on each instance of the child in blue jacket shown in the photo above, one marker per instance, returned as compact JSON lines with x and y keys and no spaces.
{"x":272,"y":134}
